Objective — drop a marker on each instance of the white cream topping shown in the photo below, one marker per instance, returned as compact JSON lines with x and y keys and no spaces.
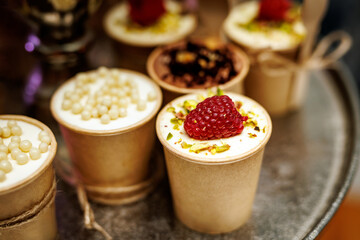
{"x":19,"y":172}
{"x":239,"y":144}
{"x":275,"y":39}
{"x":116,"y":25}
{"x":145,"y":86}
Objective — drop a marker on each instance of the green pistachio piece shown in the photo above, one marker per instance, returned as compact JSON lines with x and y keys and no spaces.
{"x":185,"y":145}
{"x":169,"y":136}
{"x":190,"y":104}
{"x":197,"y":147}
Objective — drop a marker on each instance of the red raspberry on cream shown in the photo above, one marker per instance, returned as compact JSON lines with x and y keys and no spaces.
{"x":273,"y":10}
{"x":214,"y":118}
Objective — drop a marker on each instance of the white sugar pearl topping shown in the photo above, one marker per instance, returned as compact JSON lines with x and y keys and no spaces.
{"x":5,"y":166}
{"x":22,"y":158}
{"x":34,"y":153}
{"x":25,"y":146}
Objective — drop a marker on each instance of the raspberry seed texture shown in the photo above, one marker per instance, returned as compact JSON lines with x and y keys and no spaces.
{"x":214,"y":118}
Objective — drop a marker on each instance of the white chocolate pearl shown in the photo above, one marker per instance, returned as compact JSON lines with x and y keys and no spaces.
{"x":88,"y":108}
{"x":79,"y":92}
{"x":114,"y":100}
{"x":151,"y":96}
{"x":45,"y":139}
{"x":15,"y":152}
{"x":134,"y":98}
{"x":113,"y":113}
{"x":105,"y":119}
{"x":74,"y":98}
{"x":16,"y":131}
{"x":76,"y":108}
{"x":42,"y":133}
{"x":94,"y":113}
{"x":106,"y":101}
{"x":66,"y":105}
{"x":43,"y":147}
{"x":103,"y":71}
{"x":3,"y":156}
{"x":141,"y":105}
{"x":26,"y":145}
{"x":6,"y":132}
{"x":91,"y":101}
{"x":2,"y":176}
{"x":22,"y":158}
{"x":85,"y":115}
{"x":68,"y":94}
{"x":86,"y":89}
{"x":5,"y":166}
{"x":11,"y":123}
{"x":4,"y":148}
{"x":102,"y":110}
{"x":16,"y":139}
{"x":81,"y":77}
{"x":121,"y":93}
{"x":13,"y":145}
{"x":123,"y":103}
{"x":122,"y":112}
{"x":34,"y":153}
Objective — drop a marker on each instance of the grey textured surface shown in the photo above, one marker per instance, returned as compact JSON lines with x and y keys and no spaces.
{"x":307,"y":168}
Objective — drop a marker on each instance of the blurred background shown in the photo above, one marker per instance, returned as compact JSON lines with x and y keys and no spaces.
{"x":20,"y":68}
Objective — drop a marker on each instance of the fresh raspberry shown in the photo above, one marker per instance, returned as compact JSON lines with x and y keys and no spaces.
{"x":146,"y":12}
{"x":273,"y":10}
{"x":215,"y":117}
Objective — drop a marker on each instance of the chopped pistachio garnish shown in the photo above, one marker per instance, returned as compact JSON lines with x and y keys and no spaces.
{"x":169,"y":136}
{"x":176,"y":121}
{"x":200,"y":97}
{"x":170,"y":109}
{"x":252,"y":135}
{"x":198,"y":147}
{"x":190,"y":105}
{"x":222,"y":148}
{"x":219,"y":92}
{"x":238,"y":105}
{"x":176,"y":127}
{"x":185,"y":145}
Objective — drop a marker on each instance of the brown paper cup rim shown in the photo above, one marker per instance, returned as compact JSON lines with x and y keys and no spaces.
{"x":149,"y":44}
{"x":219,"y":161}
{"x":172,"y":88}
{"x":111,"y":131}
{"x":44,"y":166}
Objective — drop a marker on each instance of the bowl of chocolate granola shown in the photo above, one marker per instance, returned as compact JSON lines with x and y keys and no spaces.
{"x":191,"y":66}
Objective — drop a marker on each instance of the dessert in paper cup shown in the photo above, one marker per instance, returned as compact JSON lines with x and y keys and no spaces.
{"x":258,"y":28}
{"x":192,"y":66}
{"x":139,"y":26}
{"x":106,"y":117}
{"x":148,"y":24}
{"x":213,"y":150}
{"x":27,"y":182}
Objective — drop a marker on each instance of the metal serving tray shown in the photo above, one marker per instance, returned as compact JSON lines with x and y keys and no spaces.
{"x":308,"y":166}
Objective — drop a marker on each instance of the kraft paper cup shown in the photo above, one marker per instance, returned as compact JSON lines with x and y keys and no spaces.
{"x":28,"y":205}
{"x":279,"y":94}
{"x":110,"y":159}
{"x":213,"y":196}
{"x":171,"y":92}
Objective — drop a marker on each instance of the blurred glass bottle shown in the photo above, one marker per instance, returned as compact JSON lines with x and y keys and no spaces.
{"x":60,"y":32}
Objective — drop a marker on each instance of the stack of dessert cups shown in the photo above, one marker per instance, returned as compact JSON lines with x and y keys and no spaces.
{"x":282,"y":91}
{"x":194,"y":65}
{"x":27,"y":181}
{"x":139,"y":26}
{"x":213,"y":182}
{"x":107,"y":119}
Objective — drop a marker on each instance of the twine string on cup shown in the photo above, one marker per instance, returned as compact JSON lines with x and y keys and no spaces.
{"x":69,"y":174}
{"x":322,"y":57}
{"x":30,"y":214}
